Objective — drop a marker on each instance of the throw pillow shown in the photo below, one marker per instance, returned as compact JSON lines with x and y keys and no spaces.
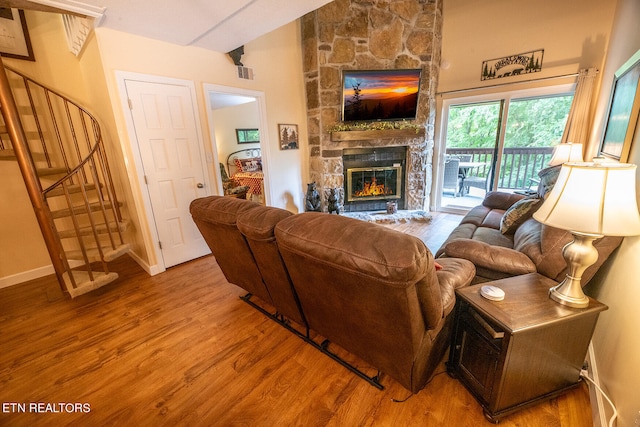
{"x":548,"y":177}
{"x":518,"y":213}
{"x":249,"y":165}
{"x":238,"y":165}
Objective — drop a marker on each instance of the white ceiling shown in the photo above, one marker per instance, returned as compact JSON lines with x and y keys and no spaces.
{"x":219,"y":25}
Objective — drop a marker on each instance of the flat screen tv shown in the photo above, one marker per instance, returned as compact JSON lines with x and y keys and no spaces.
{"x":380,"y":95}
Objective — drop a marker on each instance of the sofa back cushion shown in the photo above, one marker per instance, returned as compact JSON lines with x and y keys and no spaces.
{"x":258,"y":227}
{"x":369,"y":289}
{"x":544,"y":244}
{"x":216,"y":218}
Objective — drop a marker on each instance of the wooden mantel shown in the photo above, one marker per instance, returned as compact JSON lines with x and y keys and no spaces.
{"x":360,"y":135}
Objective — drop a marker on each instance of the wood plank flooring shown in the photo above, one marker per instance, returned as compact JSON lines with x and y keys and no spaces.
{"x":181,"y":349}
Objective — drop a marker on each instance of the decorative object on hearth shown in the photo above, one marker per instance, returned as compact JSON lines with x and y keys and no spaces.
{"x":591,"y":200}
{"x":333,"y":206}
{"x":312,"y":200}
{"x":392,"y":207}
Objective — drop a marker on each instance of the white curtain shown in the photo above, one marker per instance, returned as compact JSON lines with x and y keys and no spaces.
{"x":578,"y":122}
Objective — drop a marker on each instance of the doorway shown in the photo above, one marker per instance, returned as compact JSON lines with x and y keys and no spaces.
{"x":233,"y":114}
{"x":162,"y":119}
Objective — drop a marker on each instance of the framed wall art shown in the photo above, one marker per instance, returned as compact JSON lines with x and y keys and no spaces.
{"x":288,"y":135}
{"x":248,"y":136}
{"x":14,"y":35}
{"x":624,"y":108}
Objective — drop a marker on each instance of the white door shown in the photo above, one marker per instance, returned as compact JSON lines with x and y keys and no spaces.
{"x":165,"y":125}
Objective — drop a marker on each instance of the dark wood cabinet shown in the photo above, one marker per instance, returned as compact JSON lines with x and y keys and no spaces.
{"x":521,"y":350}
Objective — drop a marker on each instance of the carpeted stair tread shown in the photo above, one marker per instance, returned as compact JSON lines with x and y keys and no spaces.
{"x":100,"y":228}
{"x":84,"y":283}
{"x":94,"y":255}
{"x":96,"y":206}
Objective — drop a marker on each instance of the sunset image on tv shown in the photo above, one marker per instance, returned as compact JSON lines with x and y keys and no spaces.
{"x":380,"y":95}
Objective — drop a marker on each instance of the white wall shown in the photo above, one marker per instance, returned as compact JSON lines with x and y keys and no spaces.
{"x":281,"y":84}
{"x":573,"y":33}
{"x":617,"y":340}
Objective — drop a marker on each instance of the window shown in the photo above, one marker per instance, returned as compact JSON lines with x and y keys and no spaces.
{"x":502,"y":141}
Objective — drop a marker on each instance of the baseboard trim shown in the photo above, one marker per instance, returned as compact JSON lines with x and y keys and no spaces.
{"x":25,"y":276}
{"x":151,"y":270}
{"x":597,"y":402}
{"x":36,"y":273}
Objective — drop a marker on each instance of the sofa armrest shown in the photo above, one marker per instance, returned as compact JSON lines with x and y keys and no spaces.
{"x":455,"y":273}
{"x":495,"y":258}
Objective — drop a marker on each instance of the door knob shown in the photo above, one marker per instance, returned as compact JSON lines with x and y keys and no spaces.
{"x":200,"y":185}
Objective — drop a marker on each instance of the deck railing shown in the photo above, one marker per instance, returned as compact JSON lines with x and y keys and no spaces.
{"x":519,"y":167}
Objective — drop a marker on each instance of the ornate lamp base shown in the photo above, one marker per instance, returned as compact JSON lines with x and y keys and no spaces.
{"x":579,"y":255}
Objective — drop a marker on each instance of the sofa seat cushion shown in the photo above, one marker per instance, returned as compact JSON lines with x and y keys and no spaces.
{"x":492,"y":236}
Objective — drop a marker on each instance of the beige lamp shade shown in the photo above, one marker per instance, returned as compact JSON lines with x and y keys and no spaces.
{"x":564,"y":153}
{"x":593,"y":198}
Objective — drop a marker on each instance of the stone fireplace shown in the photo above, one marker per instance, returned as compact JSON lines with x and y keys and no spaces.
{"x":370,"y":35}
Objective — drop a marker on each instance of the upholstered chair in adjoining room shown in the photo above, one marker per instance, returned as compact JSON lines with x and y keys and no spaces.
{"x":231,"y":187}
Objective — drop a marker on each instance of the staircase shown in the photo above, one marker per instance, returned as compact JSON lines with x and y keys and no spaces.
{"x":59,"y":149}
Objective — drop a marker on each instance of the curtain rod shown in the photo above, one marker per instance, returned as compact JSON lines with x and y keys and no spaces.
{"x":509,"y":83}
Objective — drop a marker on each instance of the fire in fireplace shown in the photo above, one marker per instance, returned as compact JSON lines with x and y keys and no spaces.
{"x":374,"y":184}
{"x":373,"y":176}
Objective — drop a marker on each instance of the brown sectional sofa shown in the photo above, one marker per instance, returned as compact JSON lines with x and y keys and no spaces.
{"x":371,"y":290}
{"x":533,"y":247}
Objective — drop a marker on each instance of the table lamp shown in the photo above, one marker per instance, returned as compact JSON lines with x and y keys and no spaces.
{"x":568,"y":152}
{"x":591,"y":200}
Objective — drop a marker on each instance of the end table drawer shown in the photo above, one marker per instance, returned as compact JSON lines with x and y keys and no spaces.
{"x":484,"y":327}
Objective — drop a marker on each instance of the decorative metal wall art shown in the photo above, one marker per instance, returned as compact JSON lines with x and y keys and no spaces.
{"x":514,"y":65}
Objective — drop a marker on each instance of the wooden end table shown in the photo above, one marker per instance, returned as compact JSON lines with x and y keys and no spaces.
{"x":519,"y":351}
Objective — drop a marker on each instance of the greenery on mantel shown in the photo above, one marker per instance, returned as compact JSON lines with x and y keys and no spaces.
{"x":386,"y":125}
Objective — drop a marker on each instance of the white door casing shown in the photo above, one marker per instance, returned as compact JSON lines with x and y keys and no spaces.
{"x":166,"y":130}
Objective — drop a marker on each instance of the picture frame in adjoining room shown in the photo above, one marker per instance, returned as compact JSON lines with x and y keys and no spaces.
{"x":15,"y":42}
{"x":624,"y":108}
{"x":248,"y":136}
{"x":288,"y":137}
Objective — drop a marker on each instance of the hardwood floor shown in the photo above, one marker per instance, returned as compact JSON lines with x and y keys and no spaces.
{"x":181,"y":348}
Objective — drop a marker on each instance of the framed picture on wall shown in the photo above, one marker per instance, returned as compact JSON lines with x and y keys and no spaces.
{"x":248,"y":136}
{"x":14,"y":40}
{"x":624,"y":108}
{"x":288,"y":135}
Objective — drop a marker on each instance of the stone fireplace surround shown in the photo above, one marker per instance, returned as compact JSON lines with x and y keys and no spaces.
{"x":368,"y":35}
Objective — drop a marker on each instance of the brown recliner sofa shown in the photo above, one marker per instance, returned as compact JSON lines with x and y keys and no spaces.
{"x":532,"y":247}
{"x":371,"y":290}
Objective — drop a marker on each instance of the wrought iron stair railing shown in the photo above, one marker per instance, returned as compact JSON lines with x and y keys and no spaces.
{"x":75,"y":184}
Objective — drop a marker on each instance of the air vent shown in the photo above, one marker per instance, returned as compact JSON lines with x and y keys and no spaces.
{"x":245,"y":73}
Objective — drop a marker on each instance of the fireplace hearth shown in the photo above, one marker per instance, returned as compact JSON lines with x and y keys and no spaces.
{"x":373,"y":177}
